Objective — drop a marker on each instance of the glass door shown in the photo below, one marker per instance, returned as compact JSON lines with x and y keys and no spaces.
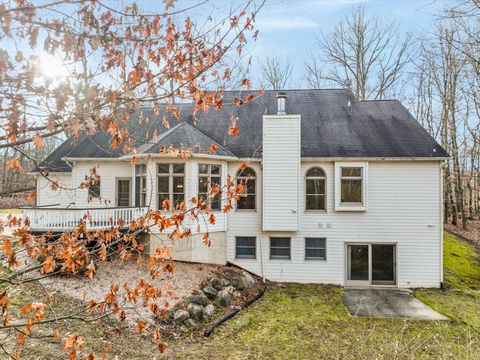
{"x":383,"y":264}
{"x":358,"y":264}
{"x":371,"y":264}
{"x":123,"y":192}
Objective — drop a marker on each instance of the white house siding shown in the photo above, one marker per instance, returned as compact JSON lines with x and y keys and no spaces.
{"x":109,"y":171}
{"x":404,"y":207}
{"x":59,"y":197}
{"x":281,"y":165}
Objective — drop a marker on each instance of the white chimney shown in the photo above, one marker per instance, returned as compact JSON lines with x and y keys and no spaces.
{"x":281,"y":96}
{"x":280,"y":151}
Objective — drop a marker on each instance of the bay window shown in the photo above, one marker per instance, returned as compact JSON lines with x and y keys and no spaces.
{"x":209,"y":176}
{"x":170,"y":184}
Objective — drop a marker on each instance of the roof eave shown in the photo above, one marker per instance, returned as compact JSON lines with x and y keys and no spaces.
{"x":411,"y":158}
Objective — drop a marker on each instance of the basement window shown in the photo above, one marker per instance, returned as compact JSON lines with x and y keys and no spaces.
{"x":315,"y":248}
{"x":280,"y":248}
{"x":245,"y":247}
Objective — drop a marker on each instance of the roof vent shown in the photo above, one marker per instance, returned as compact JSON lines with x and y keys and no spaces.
{"x":281,"y":96}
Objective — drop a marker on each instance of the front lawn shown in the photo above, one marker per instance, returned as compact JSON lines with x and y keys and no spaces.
{"x":311,"y":322}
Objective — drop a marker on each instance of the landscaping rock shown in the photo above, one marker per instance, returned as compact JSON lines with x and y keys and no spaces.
{"x":180,"y":316}
{"x":219,"y":283}
{"x":199,"y":299}
{"x":195,"y":311}
{"x":210,"y":291}
{"x":192,"y":323}
{"x":209,"y":310}
{"x":244,"y":281}
{"x":224,"y":297}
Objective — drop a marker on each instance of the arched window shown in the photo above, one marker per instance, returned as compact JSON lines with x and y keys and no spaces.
{"x":247,"y":178}
{"x":315,"y":185}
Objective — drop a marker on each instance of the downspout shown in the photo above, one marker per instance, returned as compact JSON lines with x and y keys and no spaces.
{"x":262,"y":259}
{"x":442,"y":164}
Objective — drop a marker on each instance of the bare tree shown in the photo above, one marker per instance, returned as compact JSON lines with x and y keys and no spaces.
{"x":314,"y":73}
{"x":366,"y":51}
{"x":276,"y":74}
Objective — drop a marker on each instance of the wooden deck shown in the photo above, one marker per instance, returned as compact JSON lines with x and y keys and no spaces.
{"x":66,"y":219}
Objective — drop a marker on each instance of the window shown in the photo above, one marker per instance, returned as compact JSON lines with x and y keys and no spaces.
{"x":315,"y":249}
{"x":279,"y":248}
{"x":247,"y":178}
{"x":245,"y":247}
{"x":315,"y":183}
{"x":171,"y":183}
{"x":140,"y":185}
{"x":351,"y":185}
{"x":123,"y":192}
{"x":94,"y":189}
{"x":209,"y":175}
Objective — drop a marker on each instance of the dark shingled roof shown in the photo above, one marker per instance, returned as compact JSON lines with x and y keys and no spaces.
{"x":333,"y":125}
{"x":183,"y":135}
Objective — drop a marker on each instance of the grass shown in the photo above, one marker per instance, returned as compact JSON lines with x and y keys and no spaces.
{"x":462,"y":263}
{"x":10,"y":211}
{"x":296,"y":321}
{"x":310,"y":321}
{"x":461,"y":301}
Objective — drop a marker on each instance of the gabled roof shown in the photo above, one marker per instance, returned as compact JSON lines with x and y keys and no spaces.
{"x":184,"y":135}
{"x":333,"y":125}
{"x":54,"y":162}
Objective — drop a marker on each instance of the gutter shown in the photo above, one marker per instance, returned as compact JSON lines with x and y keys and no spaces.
{"x":198,"y":156}
{"x":375,"y":158}
{"x":67,"y":159}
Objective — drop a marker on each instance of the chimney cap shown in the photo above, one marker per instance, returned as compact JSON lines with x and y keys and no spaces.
{"x":281,"y":94}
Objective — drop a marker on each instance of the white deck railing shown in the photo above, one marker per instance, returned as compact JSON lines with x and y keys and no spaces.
{"x":57,"y":219}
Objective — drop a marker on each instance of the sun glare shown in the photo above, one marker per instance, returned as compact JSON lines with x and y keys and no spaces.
{"x":51,"y":67}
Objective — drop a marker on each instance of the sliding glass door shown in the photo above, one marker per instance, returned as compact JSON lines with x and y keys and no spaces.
{"x":371,"y":264}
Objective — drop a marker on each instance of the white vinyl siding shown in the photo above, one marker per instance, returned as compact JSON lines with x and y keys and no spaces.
{"x":60,"y":197}
{"x":281,"y":172}
{"x":109,"y":172}
{"x":404,"y":208}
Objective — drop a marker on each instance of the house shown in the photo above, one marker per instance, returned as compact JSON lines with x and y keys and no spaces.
{"x":338,"y":190}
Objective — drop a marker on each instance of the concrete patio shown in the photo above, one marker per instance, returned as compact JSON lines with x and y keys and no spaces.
{"x":388,"y":303}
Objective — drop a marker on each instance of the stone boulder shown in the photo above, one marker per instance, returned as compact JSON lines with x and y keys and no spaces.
{"x":210,"y":292}
{"x":192,"y":323}
{"x":195,"y":311}
{"x":219,"y":283}
{"x":244,"y":281}
{"x":180,"y":316}
{"x":199,"y":299}
{"x":224,"y":297}
{"x":209,"y":310}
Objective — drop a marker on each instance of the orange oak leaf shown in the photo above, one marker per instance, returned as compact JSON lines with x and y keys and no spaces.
{"x":140,"y":326}
{"x":38,"y":141}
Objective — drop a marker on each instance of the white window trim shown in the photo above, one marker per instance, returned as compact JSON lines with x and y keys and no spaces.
{"x":305,"y":249}
{"x":255,"y":177}
{"x":305,"y":177}
{"x":338,"y":187}
{"x":209,"y":176}
{"x":170,"y":175}
{"x":254,"y":247}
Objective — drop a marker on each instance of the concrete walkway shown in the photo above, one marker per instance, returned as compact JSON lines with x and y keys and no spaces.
{"x":388,"y":303}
